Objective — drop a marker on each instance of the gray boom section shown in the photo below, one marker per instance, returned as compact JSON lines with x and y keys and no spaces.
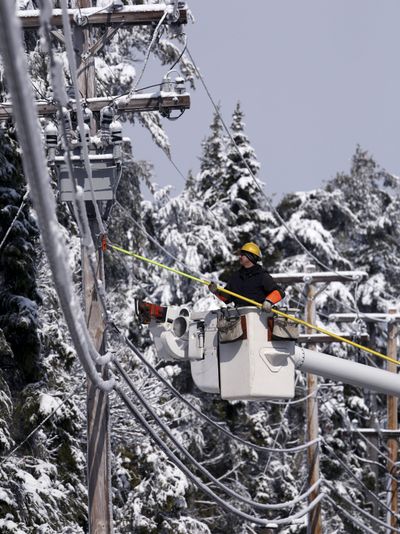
{"x":347,"y":371}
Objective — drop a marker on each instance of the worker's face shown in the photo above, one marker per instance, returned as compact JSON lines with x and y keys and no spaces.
{"x":245,"y":262}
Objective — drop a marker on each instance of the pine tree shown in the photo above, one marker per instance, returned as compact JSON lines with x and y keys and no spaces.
{"x":244,"y":200}
{"x":209,"y":182}
{"x":192,"y":235}
{"x":18,"y":258}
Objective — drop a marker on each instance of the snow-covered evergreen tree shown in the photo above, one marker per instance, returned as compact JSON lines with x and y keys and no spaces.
{"x":351,"y":223}
{"x":244,"y":199}
{"x":209,"y":182}
{"x":18,"y":257}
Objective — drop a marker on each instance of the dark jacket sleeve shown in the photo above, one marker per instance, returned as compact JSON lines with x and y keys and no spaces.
{"x":273,"y":292}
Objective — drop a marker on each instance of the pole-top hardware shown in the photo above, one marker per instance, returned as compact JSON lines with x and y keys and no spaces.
{"x":117,"y":5}
{"x":81,"y":20}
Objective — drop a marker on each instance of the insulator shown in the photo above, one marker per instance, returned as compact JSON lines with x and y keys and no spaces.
{"x":86,"y":133}
{"x":166,"y":84}
{"x":51,"y":135}
{"x":180,"y":85}
{"x":116,"y":132}
{"x":116,"y":139}
{"x":51,"y":139}
{"x":106,"y":118}
{"x":117,"y":5}
{"x":87,"y":115}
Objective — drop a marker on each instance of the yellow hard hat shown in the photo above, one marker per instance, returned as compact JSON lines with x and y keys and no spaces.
{"x":253,"y":248}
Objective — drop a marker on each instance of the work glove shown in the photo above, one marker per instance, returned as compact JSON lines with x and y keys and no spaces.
{"x":213,"y":288}
{"x":267,"y":306}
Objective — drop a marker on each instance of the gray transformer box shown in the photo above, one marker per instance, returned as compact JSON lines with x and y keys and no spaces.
{"x":104,"y":176}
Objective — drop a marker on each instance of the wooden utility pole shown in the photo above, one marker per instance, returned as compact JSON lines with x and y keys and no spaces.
{"x":392,"y":424}
{"x":98,"y":410}
{"x":314,"y":517}
{"x":392,"y":432}
{"x":311,"y":277}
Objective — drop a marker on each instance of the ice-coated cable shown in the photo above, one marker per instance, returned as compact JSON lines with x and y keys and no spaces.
{"x":203,"y":487}
{"x":77,"y":197}
{"x":202,"y":469}
{"x":153,"y":39}
{"x":377,"y":464}
{"x":360,"y":482}
{"x":282,"y":417}
{"x":14,"y":220}
{"x":33,"y":160}
{"x":357,"y":431}
{"x":366,"y":514}
{"x":296,"y":401}
{"x":181,"y":54}
{"x":354,"y":520}
{"x":368,"y":441}
{"x":203,"y":416}
{"x":79,"y":113}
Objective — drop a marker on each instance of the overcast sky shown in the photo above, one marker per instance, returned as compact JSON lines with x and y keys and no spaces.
{"x":314,"y":77}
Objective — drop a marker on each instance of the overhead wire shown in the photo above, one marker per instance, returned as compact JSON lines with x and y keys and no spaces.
{"x":199,"y":484}
{"x":153,"y":239}
{"x":271,"y":206}
{"x":77,"y":199}
{"x":182,"y":52}
{"x":24,"y":198}
{"x":152,"y":41}
{"x":364,"y":438}
{"x":42,"y":197}
{"x":353,"y":520}
{"x":293,"y":402}
{"x":205,"y":472}
{"x":359,"y":482}
{"x":282,"y":417}
{"x":376,"y":464}
{"x":372,"y":518}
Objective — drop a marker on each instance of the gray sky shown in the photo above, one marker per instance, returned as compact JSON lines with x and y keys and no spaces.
{"x":314,"y":77}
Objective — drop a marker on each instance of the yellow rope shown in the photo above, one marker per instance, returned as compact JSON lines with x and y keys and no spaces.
{"x":258,"y":304}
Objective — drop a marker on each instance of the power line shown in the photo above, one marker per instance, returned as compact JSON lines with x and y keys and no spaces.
{"x":15,"y":219}
{"x":271,"y":206}
{"x":360,"y":482}
{"x":204,"y":471}
{"x":182,"y":52}
{"x":77,"y":201}
{"x":203,"y":487}
{"x":366,"y":514}
{"x":42,"y":197}
{"x":154,"y":240}
{"x":153,"y":39}
{"x":354,"y":520}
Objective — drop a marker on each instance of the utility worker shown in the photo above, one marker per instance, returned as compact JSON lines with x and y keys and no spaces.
{"x":251,"y":281}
